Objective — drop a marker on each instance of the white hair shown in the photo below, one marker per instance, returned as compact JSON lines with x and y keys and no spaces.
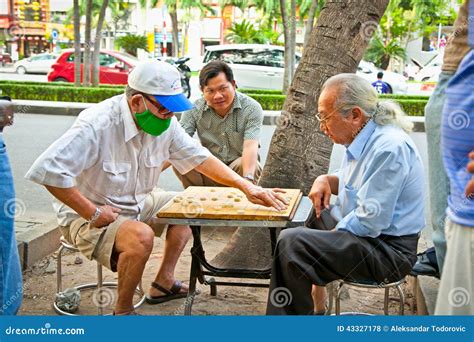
{"x":353,"y":91}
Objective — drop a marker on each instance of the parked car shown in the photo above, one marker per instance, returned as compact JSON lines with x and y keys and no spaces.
{"x":5,"y":58}
{"x":431,"y":70}
{"x":114,"y":67}
{"x":396,"y":82}
{"x":258,"y":66}
{"x":40,"y":63}
{"x":255,"y":66}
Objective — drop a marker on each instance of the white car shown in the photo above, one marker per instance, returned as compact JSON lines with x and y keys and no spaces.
{"x":258,"y":66}
{"x":255,"y":66}
{"x":396,"y":82}
{"x":40,"y":63}
{"x":431,"y":70}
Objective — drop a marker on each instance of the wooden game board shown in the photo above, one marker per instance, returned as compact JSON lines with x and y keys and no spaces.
{"x":225,"y":204}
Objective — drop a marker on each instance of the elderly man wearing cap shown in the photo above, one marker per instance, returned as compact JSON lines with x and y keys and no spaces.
{"x":103,"y":172}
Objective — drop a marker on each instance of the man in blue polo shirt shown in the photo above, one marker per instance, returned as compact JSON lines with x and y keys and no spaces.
{"x":381,"y":86}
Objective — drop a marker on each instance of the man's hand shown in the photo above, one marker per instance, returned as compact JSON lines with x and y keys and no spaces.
{"x":108,"y":215}
{"x":470,"y":185}
{"x":267,"y":197}
{"x":320,"y":194}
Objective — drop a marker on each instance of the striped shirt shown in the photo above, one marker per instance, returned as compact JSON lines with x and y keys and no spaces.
{"x":457,"y":140}
{"x":224,"y":136}
{"x":111,"y":161}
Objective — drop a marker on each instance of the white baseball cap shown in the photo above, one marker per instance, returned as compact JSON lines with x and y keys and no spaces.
{"x":163,"y":81}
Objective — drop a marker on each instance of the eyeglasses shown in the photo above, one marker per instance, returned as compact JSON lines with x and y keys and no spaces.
{"x":321,"y":120}
{"x":159,"y":107}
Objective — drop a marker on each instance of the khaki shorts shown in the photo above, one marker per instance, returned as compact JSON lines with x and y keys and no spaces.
{"x":98,"y":243}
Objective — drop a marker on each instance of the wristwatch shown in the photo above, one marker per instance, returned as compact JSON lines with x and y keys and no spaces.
{"x":95,"y":216}
{"x":250,"y":177}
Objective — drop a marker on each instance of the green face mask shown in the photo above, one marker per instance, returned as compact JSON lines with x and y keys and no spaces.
{"x":150,"y":123}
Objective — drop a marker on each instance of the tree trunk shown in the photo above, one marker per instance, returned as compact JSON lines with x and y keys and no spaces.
{"x":310,"y":21}
{"x":289,"y":31}
{"x":299,"y":151}
{"x":174,"y":27}
{"x":185,"y":35}
{"x":77,"y":45}
{"x":87,"y":43}
{"x":291,"y":57}
{"x":97,"y":42}
{"x":286,"y":35}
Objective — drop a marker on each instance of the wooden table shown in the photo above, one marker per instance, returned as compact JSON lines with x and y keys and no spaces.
{"x":200,"y":267}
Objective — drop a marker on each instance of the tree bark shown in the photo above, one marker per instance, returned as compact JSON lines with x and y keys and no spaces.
{"x":299,"y":151}
{"x":286,"y":34}
{"x":87,"y":43}
{"x":97,"y":42}
{"x":310,"y":21}
{"x":77,"y":44}
{"x":174,"y":28}
{"x":292,"y":43}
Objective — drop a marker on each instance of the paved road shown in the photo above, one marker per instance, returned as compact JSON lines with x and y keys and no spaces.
{"x":33,"y":133}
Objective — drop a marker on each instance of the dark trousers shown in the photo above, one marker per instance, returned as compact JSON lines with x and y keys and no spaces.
{"x":304,"y":257}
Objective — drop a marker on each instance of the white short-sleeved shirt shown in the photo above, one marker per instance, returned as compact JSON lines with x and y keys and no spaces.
{"x":110,"y":161}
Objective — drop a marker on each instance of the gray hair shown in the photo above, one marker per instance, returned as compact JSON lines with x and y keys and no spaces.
{"x":129,"y":91}
{"x":353,"y":91}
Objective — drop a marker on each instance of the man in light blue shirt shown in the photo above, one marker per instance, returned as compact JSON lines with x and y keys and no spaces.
{"x":371,"y":233}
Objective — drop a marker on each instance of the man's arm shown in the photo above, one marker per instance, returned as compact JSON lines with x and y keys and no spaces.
{"x":253,"y":129}
{"x":73,"y":198}
{"x":219,"y":172}
{"x":249,"y":157}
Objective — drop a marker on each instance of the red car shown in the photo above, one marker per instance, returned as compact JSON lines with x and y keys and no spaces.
{"x":5,"y":58}
{"x":114,"y":67}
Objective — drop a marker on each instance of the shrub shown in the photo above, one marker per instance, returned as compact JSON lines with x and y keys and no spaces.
{"x":269,"y":99}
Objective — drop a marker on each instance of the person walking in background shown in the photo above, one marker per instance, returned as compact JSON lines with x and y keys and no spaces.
{"x":11,"y":291}
{"x":381,"y":86}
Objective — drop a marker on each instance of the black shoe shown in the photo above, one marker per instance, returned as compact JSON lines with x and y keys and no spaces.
{"x":426,"y":264}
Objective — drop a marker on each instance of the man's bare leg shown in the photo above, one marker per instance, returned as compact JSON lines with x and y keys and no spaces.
{"x":176,"y":239}
{"x":133,"y":243}
{"x":319,"y":298}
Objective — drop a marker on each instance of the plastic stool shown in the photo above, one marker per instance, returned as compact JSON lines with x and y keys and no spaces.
{"x":387,"y":287}
{"x":98,"y":285}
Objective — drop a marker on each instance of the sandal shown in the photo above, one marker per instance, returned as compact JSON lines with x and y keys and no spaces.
{"x":173,"y":293}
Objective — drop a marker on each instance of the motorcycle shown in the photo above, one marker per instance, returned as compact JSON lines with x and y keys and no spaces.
{"x":185,"y":72}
